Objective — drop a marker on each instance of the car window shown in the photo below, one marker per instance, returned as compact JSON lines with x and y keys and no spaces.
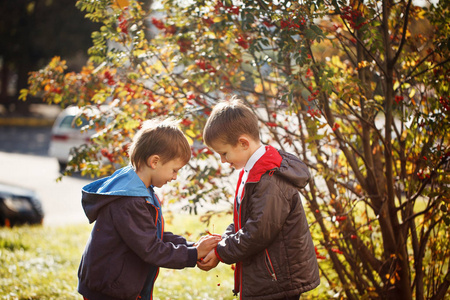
{"x":69,"y":122}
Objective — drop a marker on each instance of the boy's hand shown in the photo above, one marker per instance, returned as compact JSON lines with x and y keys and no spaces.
{"x":209,"y":262}
{"x":206,"y":244}
{"x":207,"y":237}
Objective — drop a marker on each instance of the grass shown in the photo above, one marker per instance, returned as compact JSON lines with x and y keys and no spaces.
{"x":41,"y":262}
{"x":193,"y":283}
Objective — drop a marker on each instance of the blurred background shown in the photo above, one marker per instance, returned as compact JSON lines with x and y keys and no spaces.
{"x":31,"y":33}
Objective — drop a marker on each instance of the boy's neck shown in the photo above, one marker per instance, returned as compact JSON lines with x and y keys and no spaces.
{"x":253,"y":146}
{"x":145,"y":176}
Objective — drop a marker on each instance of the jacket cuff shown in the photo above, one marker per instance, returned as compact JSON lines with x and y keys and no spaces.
{"x":192,"y":257}
{"x":217,"y":254}
{"x":190,"y":244}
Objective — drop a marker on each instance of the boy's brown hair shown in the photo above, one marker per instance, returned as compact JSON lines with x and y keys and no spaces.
{"x":228,"y":121}
{"x":159,"y":137}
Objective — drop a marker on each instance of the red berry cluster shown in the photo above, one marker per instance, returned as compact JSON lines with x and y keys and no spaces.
{"x":398,"y":99}
{"x":335,"y":250}
{"x":130,"y":91}
{"x":107,"y":154}
{"x":184,"y":44}
{"x":242,"y":41}
{"x":123,"y":24}
{"x":208,"y":21}
{"x":149,"y":95}
{"x":313,"y":112}
{"x":158,"y":23}
{"x":186,"y":122}
{"x":423,"y":174}
{"x":56,"y":90}
{"x":201,"y":151}
{"x":205,"y":66}
{"x":295,"y":23}
{"x":109,"y":78}
{"x":353,"y":16}
{"x":341,"y":218}
{"x":228,"y":9}
{"x":318,"y":254}
{"x":313,"y":95}
{"x":268,"y":23}
{"x":445,"y":102}
{"x":167,"y":29}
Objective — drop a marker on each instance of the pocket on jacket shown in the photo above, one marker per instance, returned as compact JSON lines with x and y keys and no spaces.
{"x":129,"y":277}
{"x":269,"y":266}
{"x":259,"y":276}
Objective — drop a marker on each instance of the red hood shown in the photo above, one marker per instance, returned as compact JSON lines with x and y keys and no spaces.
{"x":270,"y":160}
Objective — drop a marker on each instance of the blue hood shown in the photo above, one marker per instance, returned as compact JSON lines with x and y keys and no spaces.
{"x":124,"y":182}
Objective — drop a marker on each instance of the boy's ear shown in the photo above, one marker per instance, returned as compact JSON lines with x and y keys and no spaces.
{"x":153,"y":160}
{"x":244,"y":142}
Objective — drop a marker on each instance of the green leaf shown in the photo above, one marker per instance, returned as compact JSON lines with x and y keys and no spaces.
{"x":133,"y":76}
{"x":23,"y":94}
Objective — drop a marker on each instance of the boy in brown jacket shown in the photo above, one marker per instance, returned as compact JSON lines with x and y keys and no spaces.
{"x":269,"y":241}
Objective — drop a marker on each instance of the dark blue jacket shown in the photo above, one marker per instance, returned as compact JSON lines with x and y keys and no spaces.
{"x":128,"y":243}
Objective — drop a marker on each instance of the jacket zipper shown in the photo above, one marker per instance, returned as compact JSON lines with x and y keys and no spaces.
{"x":267,"y":261}
{"x":269,"y":266}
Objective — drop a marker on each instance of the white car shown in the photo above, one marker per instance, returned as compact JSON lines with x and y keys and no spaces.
{"x":66,"y":134}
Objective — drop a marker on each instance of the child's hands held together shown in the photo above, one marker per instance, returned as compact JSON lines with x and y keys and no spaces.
{"x":206,"y":244}
{"x":209,"y":262}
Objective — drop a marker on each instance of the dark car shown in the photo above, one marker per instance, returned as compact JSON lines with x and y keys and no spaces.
{"x":19,"y":206}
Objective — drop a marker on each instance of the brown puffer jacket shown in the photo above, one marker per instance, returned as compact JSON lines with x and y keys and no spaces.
{"x":270,"y":240}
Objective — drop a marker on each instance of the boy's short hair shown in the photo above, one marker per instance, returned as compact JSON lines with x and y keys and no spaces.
{"x":159,"y":137}
{"x":228,"y":121}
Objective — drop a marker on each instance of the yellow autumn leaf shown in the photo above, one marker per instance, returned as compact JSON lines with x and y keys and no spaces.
{"x":336,"y":61}
{"x":396,"y":85}
{"x":404,"y":135}
{"x":120,"y":3}
{"x":189,"y":134}
{"x":363,"y":64}
{"x":259,"y":88}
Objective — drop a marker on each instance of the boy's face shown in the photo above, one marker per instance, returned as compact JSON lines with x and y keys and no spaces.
{"x":167,"y":172}
{"x":237,"y":156}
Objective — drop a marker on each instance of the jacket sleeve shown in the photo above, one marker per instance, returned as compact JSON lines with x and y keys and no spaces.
{"x":169,"y":237}
{"x":229,"y":231}
{"x":268,"y":207}
{"x":135,"y":225}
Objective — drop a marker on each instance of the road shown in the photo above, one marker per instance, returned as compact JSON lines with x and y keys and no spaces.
{"x":24,"y":162}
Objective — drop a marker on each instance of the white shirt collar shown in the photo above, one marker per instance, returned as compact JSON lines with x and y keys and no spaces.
{"x":254,"y":158}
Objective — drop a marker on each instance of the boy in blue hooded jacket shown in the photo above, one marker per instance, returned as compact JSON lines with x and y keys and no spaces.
{"x":128,"y":243}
